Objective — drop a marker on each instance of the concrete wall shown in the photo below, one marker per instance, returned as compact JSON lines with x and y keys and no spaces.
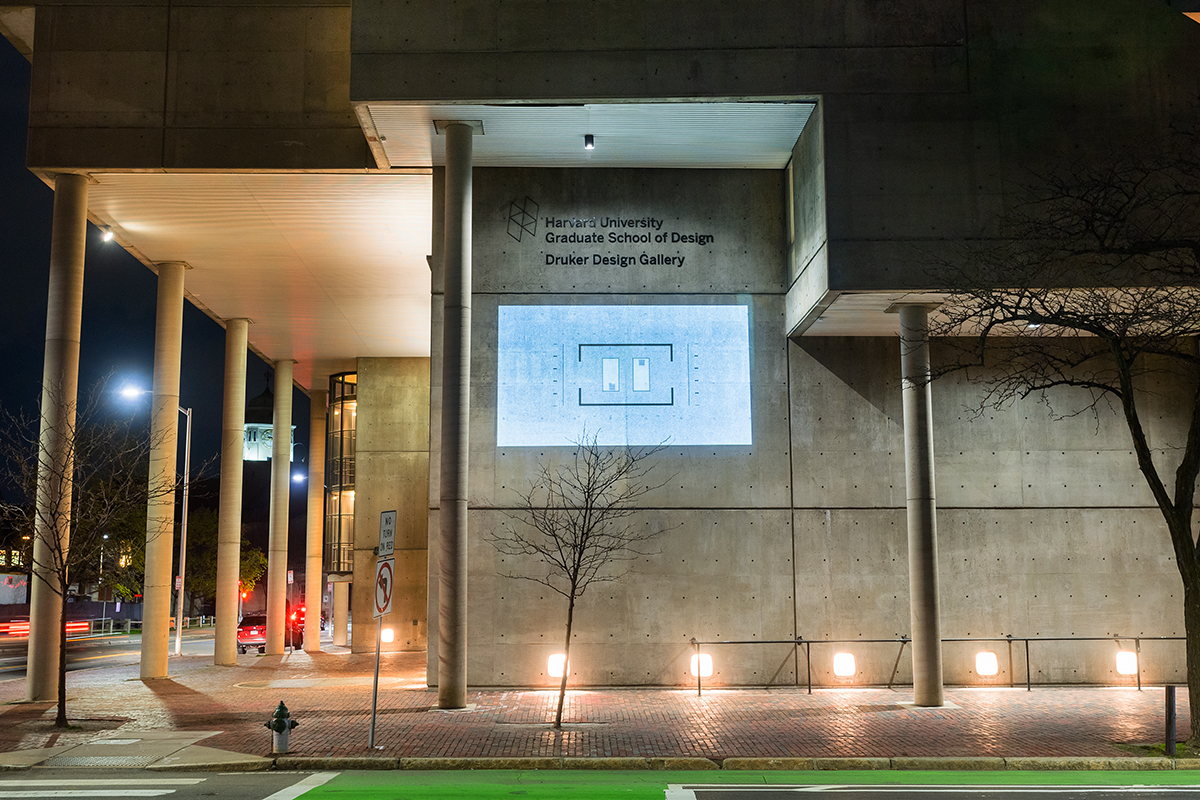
{"x":392,"y":473}
{"x":130,"y":85}
{"x":931,"y":113}
{"x":1046,"y":528}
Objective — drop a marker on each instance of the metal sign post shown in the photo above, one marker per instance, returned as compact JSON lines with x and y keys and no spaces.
{"x":385,"y":584}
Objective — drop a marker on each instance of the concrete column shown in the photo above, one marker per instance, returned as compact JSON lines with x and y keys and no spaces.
{"x":341,"y":613}
{"x":229,"y":517}
{"x":281,"y":469}
{"x":456,"y":389}
{"x":392,"y":467}
{"x":922,"y":507}
{"x":314,"y":582}
{"x":164,"y":436}
{"x":60,"y":390}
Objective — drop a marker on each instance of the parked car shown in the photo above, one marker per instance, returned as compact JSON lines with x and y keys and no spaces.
{"x":293,"y":635}
{"x":252,"y":633}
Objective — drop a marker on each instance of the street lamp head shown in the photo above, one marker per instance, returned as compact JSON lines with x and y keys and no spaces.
{"x":133,"y":392}
{"x":298,"y":477}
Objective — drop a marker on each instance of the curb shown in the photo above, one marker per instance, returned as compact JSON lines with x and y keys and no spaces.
{"x":932,"y":763}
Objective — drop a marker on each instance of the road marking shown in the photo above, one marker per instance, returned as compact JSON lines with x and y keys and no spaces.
{"x":311,"y":782}
{"x":106,"y":782}
{"x":97,"y":787}
{"x":114,"y":792}
{"x":112,"y":655}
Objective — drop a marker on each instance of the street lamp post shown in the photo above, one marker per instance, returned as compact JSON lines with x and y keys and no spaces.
{"x":131,"y":392}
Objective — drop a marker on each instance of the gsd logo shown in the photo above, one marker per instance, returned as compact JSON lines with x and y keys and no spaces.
{"x":522,"y":218}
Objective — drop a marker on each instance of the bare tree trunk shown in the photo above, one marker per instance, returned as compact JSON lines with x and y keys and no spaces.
{"x":562,"y":687}
{"x":60,"y":721}
{"x":1191,"y":626}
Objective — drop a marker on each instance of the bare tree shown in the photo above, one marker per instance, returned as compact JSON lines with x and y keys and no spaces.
{"x":574,"y":525}
{"x":1096,"y":289}
{"x":106,"y":467}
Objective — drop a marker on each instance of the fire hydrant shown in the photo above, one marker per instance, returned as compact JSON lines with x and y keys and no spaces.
{"x":281,"y":725}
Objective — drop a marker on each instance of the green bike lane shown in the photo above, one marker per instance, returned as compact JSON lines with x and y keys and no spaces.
{"x":652,"y":785}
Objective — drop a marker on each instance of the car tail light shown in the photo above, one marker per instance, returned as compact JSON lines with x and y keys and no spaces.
{"x":16,"y":628}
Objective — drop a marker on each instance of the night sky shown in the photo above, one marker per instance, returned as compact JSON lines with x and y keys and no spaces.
{"x":117,"y":336}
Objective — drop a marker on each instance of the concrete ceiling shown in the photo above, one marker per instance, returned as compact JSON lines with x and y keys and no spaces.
{"x":866,"y":313}
{"x":330,"y":267}
{"x":735,"y":135}
{"x":327,"y":267}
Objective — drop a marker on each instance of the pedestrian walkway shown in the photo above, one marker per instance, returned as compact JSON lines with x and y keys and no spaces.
{"x":329,"y":694}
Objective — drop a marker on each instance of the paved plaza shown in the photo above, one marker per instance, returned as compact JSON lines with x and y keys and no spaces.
{"x":330,"y":695}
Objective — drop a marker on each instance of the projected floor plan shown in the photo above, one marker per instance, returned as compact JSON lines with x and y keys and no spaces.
{"x":635,"y":375}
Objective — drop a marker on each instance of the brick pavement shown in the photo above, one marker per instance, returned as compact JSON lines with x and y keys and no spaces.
{"x":330,"y":695}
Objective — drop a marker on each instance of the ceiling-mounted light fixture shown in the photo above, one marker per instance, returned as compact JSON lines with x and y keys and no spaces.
{"x":589,"y":142}
{"x":107,"y":234}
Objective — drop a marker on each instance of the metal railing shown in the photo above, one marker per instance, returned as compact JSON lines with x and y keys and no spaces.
{"x":807,"y":644}
{"x":107,"y":626}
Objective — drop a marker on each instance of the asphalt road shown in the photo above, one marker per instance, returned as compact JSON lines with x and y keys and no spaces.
{"x":96,"y":651}
{"x":129,"y":783}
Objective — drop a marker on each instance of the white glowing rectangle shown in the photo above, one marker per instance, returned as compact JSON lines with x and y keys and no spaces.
{"x":1127,"y":662}
{"x":843,"y":665}
{"x":702,"y":665}
{"x":556,"y":665}
{"x":611,"y":380}
{"x":562,"y":371}
{"x":986,"y":663}
{"x":641,"y":374}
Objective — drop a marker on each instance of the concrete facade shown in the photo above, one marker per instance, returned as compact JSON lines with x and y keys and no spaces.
{"x":393,"y":474}
{"x":803,"y":533}
{"x":925,"y":115}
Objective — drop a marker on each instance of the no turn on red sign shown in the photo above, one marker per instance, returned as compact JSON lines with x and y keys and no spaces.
{"x":385,"y":585}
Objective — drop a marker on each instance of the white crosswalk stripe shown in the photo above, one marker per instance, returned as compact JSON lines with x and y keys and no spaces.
{"x":96,"y":787}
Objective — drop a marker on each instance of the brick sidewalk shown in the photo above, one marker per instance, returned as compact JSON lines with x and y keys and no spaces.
{"x":330,"y":695}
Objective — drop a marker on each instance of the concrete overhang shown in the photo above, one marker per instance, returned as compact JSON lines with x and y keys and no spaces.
{"x":737,"y":134}
{"x":328,"y":267}
{"x":16,"y":25}
{"x":331,"y":266}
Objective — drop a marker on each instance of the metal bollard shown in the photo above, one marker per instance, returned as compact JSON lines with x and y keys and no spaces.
{"x":1170,"y":740}
{"x":281,"y":724}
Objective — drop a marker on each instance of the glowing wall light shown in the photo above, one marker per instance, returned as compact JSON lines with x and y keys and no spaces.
{"x":843,"y":665}
{"x":702,"y":665}
{"x":557,"y":665}
{"x":387,"y":635}
{"x":986,"y":663}
{"x":1127,"y":662}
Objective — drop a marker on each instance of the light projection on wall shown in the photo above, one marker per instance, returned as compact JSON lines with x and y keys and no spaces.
{"x":636,"y":375}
